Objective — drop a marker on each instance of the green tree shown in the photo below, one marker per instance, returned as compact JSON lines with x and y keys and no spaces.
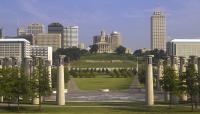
{"x":40,"y":81}
{"x":14,"y":84}
{"x":94,"y":48}
{"x":192,"y":85}
{"x":170,"y":82}
{"x":120,"y":50}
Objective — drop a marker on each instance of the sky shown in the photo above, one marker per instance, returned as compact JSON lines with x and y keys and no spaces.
{"x":129,"y":17}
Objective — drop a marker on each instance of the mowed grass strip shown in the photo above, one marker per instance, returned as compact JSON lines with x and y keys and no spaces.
{"x":83,"y":64}
{"x":126,"y":108}
{"x":107,"y":56}
{"x":103,"y":83}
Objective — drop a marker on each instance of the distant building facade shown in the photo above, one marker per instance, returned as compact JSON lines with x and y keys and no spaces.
{"x":17,"y":48}
{"x":55,"y":28}
{"x":184,"y":47}
{"x":1,"y":33}
{"x":158,"y":31}
{"x":81,"y":45}
{"x":21,"y":31}
{"x":107,"y":43}
{"x":47,"y":39}
{"x":35,"y":28}
{"x":44,"y":52}
{"x":70,"y":37}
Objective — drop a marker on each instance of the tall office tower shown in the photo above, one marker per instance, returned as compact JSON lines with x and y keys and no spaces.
{"x":70,"y":37}
{"x":1,"y":33}
{"x":158,"y":31}
{"x":21,"y":31}
{"x":35,"y":28}
{"x":48,"y":39}
{"x":55,"y":28}
{"x":115,"y":40}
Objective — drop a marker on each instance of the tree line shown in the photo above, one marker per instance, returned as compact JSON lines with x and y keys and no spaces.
{"x":17,"y":87}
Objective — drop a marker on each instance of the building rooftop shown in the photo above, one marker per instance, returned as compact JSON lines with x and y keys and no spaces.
{"x":16,"y":40}
{"x":185,"y":40}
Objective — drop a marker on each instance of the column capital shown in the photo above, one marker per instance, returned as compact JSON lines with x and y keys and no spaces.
{"x":149,"y":59}
{"x":61,"y":60}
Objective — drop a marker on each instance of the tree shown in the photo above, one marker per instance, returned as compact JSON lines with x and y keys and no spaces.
{"x":192,"y":85}
{"x":94,"y":48}
{"x":40,"y":81}
{"x":14,"y":84}
{"x":170,"y":82}
{"x":120,"y":50}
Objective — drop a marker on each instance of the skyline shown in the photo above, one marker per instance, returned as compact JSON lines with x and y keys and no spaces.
{"x":130,"y":18}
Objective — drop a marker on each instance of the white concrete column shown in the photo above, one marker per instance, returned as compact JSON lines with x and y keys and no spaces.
{"x":35,"y":99}
{"x":166,"y":94}
{"x":160,"y":75}
{"x":60,"y":96}
{"x":193,"y":60}
{"x":175,"y":68}
{"x":149,"y":82}
{"x":182,"y":70}
{"x":27,"y":67}
{"x":48,"y":63}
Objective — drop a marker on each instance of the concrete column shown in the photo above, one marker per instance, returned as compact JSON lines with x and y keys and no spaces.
{"x":149,"y":82}
{"x":35,"y":64}
{"x":1,"y":66}
{"x":7,"y":62}
{"x":199,"y":65}
{"x":60,"y":95}
{"x":160,"y":75}
{"x":182,"y":70}
{"x":193,"y":60}
{"x":174,"y":65}
{"x":1,"y":63}
{"x":48,"y":63}
{"x":27,"y":63}
{"x":166,"y":94}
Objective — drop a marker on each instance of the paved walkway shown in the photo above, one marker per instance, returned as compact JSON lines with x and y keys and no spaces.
{"x":134,"y":93}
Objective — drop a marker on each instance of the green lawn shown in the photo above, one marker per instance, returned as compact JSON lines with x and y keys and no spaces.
{"x":88,"y":108}
{"x":105,"y":61}
{"x":84,"y":64}
{"x":103,"y":83}
{"x":107,"y":57}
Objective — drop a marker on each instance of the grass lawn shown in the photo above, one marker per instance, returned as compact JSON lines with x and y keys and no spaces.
{"x":102,"y":82}
{"x":89,"y":108}
{"x":84,"y":64}
{"x":104,"y":56}
{"x":104,"y":61}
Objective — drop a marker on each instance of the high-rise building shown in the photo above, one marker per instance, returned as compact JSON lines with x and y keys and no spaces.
{"x":184,"y":47}
{"x":1,"y":33}
{"x":47,"y":39}
{"x":81,"y":45}
{"x":115,"y":40}
{"x":17,"y":48}
{"x":55,"y":28}
{"x":70,"y":37}
{"x":21,"y":31}
{"x":35,"y":28}
{"x":158,"y":31}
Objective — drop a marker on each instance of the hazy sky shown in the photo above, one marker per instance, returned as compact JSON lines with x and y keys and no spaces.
{"x":129,"y":17}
